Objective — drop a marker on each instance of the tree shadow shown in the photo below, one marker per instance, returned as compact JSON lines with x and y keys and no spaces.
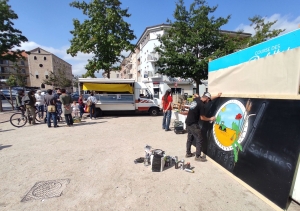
{"x":6,"y":130}
{"x":4,"y":146}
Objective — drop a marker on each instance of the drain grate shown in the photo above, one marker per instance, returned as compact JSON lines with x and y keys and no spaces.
{"x":46,"y":189}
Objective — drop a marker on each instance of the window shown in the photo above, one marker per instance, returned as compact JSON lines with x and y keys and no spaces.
{"x":22,"y":63}
{"x":35,"y":58}
{"x":45,"y":58}
{"x":46,"y":76}
{"x":117,"y":75}
{"x":41,"y":65}
{"x":39,"y":51}
{"x":23,"y":70}
{"x":36,"y":76}
{"x":43,"y":86}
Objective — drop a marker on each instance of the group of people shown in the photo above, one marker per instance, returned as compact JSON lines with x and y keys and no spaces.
{"x":54,"y":104}
{"x":194,"y":121}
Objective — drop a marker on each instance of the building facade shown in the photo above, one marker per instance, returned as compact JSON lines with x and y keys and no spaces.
{"x":20,"y":67}
{"x":41,"y":63}
{"x":35,"y":68}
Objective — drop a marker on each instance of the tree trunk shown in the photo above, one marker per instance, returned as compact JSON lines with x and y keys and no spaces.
{"x":11,"y":100}
{"x":198,"y":82}
{"x":1,"y":109}
{"x":108,"y":74}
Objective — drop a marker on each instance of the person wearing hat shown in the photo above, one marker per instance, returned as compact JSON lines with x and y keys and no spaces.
{"x":40,"y":99}
{"x":197,"y":113}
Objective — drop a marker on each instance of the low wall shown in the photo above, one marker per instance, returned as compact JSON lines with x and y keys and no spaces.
{"x":257,"y":140}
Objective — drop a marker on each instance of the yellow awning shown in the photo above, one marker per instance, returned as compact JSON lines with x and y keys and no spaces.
{"x":108,"y":87}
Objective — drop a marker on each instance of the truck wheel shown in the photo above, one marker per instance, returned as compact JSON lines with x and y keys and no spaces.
{"x":98,"y":112}
{"x":153,"y":111}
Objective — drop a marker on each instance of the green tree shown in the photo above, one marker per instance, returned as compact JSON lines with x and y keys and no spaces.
{"x":218,"y":120}
{"x":20,"y":77}
{"x":263,"y":30}
{"x":11,"y":81}
{"x":104,"y":34}
{"x":58,"y":79}
{"x":9,"y":36}
{"x":193,"y":39}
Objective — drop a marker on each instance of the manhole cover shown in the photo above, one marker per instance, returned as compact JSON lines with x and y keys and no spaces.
{"x":46,"y":189}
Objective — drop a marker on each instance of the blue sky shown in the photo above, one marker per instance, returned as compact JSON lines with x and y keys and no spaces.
{"x":47,"y":24}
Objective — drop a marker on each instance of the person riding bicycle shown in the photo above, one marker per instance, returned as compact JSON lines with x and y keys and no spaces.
{"x":19,"y":104}
{"x":29,"y":103}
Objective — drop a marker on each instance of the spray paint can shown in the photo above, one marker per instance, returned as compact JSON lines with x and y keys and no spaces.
{"x":189,"y":170}
{"x":188,"y":165}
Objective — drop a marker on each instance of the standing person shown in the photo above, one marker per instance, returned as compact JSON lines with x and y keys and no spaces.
{"x":75,"y":109}
{"x":40,"y":103}
{"x":92,"y":103}
{"x":66,"y":101}
{"x":167,"y":110}
{"x":58,"y":103}
{"x":19,"y":103}
{"x":193,"y":121}
{"x":29,"y":103}
{"x":81,"y":105}
{"x":50,"y":100}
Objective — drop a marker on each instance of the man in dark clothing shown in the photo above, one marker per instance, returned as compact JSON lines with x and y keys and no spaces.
{"x":29,"y":103}
{"x":51,"y":100}
{"x":58,"y":103}
{"x":193,"y":122}
{"x":19,"y":103}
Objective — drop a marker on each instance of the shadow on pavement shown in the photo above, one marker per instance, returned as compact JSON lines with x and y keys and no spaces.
{"x":6,"y":130}
{"x":4,"y":146}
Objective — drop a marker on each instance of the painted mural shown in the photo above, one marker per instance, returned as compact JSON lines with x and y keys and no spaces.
{"x":258,"y":140}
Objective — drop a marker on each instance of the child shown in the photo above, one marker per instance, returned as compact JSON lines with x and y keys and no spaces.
{"x":75,"y":109}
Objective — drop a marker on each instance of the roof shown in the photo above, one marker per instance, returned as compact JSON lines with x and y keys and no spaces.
{"x":24,"y":54}
{"x":152,"y":27}
{"x":106,"y":80}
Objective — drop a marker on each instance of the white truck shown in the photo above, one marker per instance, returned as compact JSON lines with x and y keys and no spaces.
{"x":157,"y":89}
{"x":119,"y":95}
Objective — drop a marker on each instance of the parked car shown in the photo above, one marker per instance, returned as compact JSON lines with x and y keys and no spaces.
{"x":5,"y":94}
{"x":75,"y":96}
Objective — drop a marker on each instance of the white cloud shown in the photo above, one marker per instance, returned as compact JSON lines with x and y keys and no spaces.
{"x":283,"y":22}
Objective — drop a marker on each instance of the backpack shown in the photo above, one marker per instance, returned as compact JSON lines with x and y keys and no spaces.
{"x":26,"y":100}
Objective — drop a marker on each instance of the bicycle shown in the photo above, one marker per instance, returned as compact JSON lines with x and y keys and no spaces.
{"x":20,"y":119}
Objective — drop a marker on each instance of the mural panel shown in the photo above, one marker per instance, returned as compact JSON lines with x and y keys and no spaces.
{"x":258,"y":140}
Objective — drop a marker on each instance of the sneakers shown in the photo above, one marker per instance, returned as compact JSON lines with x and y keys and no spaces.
{"x":189,"y":155}
{"x":200,"y":158}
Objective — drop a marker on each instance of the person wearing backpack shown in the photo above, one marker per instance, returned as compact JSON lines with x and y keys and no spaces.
{"x":29,"y":103}
{"x":50,"y":102}
{"x":66,"y":101}
{"x":91,"y":102}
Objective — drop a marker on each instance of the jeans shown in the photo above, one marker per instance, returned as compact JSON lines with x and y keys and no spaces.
{"x":81,"y":110}
{"x":69,"y":119}
{"x":166,"y":120}
{"x":58,"y":110}
{"x":92,"y":111}
{"x":194,"y":132}
{"x":41,"y":110}
{"x":31,"y":110}
{"x":54,"y":118}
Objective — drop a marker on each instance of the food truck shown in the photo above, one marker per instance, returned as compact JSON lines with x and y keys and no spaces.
{"x":259,"y":108}
{"x":119,"y":95}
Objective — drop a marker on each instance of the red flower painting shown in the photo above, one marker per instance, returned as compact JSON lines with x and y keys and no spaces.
{"x":238,"y":116}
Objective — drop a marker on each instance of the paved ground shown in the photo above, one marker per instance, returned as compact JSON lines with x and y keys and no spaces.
{"x":97,"y":157}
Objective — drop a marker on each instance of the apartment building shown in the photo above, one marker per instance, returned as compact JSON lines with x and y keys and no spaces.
{"x":19,"y":67}
{"x":141,"y":64}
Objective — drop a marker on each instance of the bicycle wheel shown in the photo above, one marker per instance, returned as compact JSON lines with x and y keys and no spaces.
{"x":38,"y":116}
{"x":18,"y":120}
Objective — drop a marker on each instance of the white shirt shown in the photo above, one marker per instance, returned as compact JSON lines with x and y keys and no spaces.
{"x":40,"y":99}
{"x":92,"y":98}
{"x":75,"y":107}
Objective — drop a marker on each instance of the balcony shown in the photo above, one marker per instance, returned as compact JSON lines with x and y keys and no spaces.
{"x":152,"y":57}
{"x":152,"y":74}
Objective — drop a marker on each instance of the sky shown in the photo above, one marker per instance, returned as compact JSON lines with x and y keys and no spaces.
{"x":47,"y":24}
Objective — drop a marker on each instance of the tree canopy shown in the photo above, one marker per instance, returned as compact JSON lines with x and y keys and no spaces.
{"x":9,"y":36}
{"x":193,"y":39}
{"x":104,"y":33}
{"x":263,"y":30}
